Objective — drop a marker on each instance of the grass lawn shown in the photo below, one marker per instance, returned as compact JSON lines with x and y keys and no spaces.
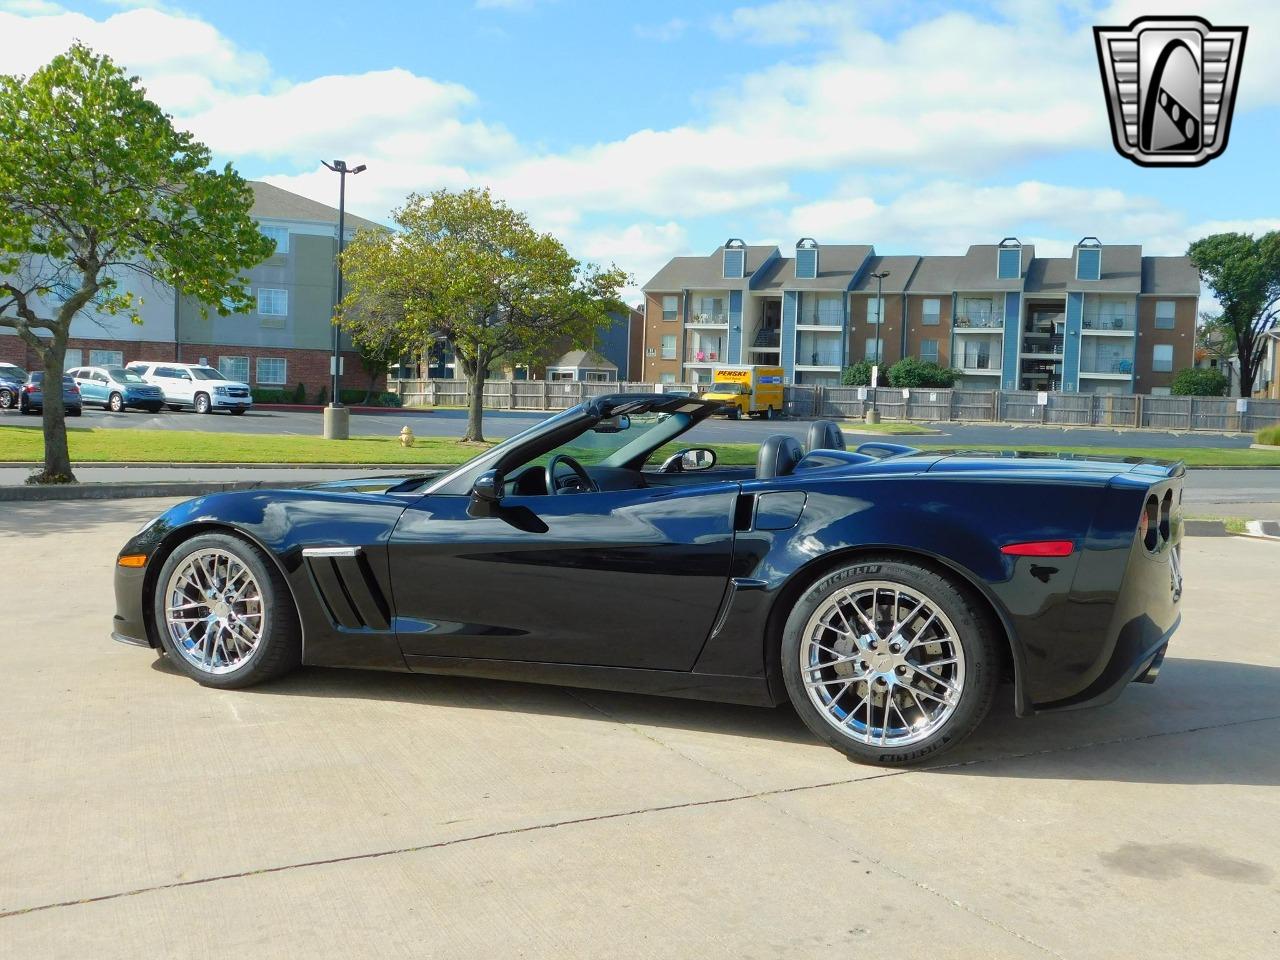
{"x":24,"y":444}
{"x":191,"y":446}
{"x":892,"y":429}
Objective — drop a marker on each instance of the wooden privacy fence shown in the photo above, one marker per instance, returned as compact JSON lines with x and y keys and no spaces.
{"x":990,"y":406}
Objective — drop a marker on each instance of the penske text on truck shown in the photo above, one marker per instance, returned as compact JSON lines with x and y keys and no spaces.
{"x":747,"y":389}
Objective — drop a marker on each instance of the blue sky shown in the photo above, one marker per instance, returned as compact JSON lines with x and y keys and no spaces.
{"x":641,"y":131}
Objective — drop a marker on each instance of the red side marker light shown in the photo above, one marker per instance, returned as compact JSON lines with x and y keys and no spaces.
{"x":1039,"y":548}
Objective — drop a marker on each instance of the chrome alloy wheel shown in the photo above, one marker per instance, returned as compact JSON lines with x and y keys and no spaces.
{"x":214,"y":612}
{"x":882,"y":663}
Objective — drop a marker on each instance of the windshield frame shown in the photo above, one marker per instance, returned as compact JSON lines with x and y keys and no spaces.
{"x":198,"y":372}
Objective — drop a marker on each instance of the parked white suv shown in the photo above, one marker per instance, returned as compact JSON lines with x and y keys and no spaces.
{"x":202,"y":388}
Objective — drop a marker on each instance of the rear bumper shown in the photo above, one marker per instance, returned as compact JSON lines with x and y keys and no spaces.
{"x":1138,"y":656}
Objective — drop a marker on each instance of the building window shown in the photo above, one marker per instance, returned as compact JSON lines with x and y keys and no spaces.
{"x":670,"y":307}
{"x":1164,"y":314}
{"x":1009,"y":263}
{"x":1162,"y":358}
{"x":875,"y":310}
{"x":271,"y":370}
{"x":279,"y":234}
{"x":236,"y":368}
{"x":874,"y":349}
{"x":106,"y":358}
{"x":666,"y":378}
{"x":711,"y":310}
{"x":1088,"y":263}
{"x":669,"y":347}
{"x":273,"y":303}
{"x":1161,"y":391}
{"x":929,"y":350}
{"x":826,"y":311}
{"x":229,"y":305}
{"x":71,"y":359}
{"x":931,"y":312}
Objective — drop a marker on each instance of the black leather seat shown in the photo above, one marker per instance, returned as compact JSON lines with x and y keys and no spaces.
{"x":778,"y":457}
{"x":824,"y":435}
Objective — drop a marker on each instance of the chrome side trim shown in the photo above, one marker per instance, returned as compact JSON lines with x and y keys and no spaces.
{"x":131,"y":641}
{"x":331,"y":551}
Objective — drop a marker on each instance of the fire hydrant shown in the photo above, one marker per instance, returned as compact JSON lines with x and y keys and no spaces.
{"x":406,"y":437}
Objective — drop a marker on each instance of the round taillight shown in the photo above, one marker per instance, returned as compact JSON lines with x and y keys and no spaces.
{"x":1143,"y":523}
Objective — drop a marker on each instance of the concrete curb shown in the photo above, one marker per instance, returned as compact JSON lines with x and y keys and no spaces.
{"x":362,"y":410}
{"x":1204,"y":528}
{"x":1267,"y":529}
{"x":1264,"y":446}
{"x":124,"y":491}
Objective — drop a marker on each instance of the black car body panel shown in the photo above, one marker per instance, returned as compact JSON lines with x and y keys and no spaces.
{"x":677,"y":584}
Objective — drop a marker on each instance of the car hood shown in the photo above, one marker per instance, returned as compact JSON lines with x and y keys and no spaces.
{"x":392,"y":483}
{"x":224,"y":384}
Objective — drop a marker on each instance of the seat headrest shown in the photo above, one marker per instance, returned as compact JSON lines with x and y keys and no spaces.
{"x":825,"y":435}
{"x":778,"y":456}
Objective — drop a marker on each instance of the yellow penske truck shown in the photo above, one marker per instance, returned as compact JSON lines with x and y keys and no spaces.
{"x":747,"y":389}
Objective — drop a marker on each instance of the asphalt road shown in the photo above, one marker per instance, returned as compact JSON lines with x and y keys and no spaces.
{"x":348,"y":814}
{"x":499,"y":424}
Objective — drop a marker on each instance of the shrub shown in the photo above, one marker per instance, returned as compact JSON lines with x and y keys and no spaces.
{"x":322,"y":396}
{"x":1269,"y":435}
{"x":858,"y":375}
{"x":300,"y":394}
{"x":1194,"y":382}
{"x":270,"y":395}
{"x":912,"y":372}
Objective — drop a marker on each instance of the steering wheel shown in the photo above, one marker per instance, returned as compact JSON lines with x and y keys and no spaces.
{"x":587,"y":486}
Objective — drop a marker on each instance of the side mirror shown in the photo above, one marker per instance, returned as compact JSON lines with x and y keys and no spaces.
{"x":699,"y":458}
{"x":486,"y":495}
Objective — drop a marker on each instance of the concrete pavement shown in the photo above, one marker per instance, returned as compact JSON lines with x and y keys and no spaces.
{"x":352,"y":814}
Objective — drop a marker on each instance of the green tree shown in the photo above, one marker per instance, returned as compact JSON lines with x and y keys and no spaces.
{"x":1193,"y":382}
{"x":467,"y":268}
{"x":857,"y":375}
{"x":96,"y":185}
{"x":913,"y":372}
{"x":1244,"y":274}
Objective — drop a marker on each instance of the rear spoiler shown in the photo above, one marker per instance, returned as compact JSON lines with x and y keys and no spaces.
{"x":882,"y":450}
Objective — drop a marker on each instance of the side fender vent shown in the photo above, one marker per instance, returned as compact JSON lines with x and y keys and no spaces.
{"x":347,"y":587}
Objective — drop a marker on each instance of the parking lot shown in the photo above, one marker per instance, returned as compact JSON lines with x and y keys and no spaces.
{"x":352,"y":814}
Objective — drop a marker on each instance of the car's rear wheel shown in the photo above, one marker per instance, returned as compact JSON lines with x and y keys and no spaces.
{"x":224,"y":613}
{"x":116,"y":403}
{"x":202,"y":403}
{"x":6,"y":399}
{"x":75,"y":411}
{"x":889,"y":662}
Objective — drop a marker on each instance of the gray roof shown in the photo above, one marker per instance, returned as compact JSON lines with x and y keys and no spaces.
{"x":584,"y":360}
{"x":936,"y":275}
{"x":1170,"y":277}
{"x":1051,"y":275}
{"x":900,"y":271}
{"x":707,"y":273}
{"x":273,"y":203}
{"x":978,"y":271}
{"x":1121,"y":270}
{"x":838,"y":264}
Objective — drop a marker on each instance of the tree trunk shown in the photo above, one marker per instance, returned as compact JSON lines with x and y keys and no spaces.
{"x":475,"y":406}
{"x":57,"y":458}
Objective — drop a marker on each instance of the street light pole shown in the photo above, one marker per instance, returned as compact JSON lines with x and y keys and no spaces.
{"x":337,"y":419}
{"x":873,"y":415}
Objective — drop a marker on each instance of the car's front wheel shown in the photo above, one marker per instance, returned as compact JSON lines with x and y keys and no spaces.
{"x":224,"y":613}
{"x":889,"y":662}
{"x":116,"y":403}
{"x":202,"y":403}
{"x":6,"y":399}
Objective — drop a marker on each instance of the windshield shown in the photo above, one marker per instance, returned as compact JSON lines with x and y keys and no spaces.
{"x":120,"y":375}
{"x":618,"y":441}
{"x":725,"y":388}
{"x":206,"y":373}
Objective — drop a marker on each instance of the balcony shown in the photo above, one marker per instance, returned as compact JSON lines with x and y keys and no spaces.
{"x":815,"y":321}
{"x":978,"y":364}
{"x":817,"y":358}
{"x":979,"y":320}
{"x":704,"y":353}
{"x":707,"y":320}
{"x":1111,"y":323}
{"x":1042,"y":346}
{"x":1121,"y":366}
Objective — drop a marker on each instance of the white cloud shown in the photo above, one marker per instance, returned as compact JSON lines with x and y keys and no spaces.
{"x":672,"y":29}
{"x":785,"y":22}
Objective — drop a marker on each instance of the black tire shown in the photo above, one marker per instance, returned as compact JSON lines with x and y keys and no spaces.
{"x":6,"y":399}
{"x":155,"y":408}
{"x":735,"y":413}
{"x":279,"y":650}
{"x":975,"y":632}
{"x":116,"y":403}
{"x":175,"y":407}
{"x":24,"y":407}
{"x":75,"y":411}
{"x":202,"y":403}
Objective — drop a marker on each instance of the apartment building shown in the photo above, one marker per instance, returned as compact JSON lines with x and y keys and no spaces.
{"x":286,"y":339}
{"x":1104,"y":320}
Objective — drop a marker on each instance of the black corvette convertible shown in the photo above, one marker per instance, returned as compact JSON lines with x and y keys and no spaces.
{"x":883,"y":591}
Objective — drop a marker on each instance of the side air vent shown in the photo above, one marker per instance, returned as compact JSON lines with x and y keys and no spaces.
{"x":347,"y":587}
